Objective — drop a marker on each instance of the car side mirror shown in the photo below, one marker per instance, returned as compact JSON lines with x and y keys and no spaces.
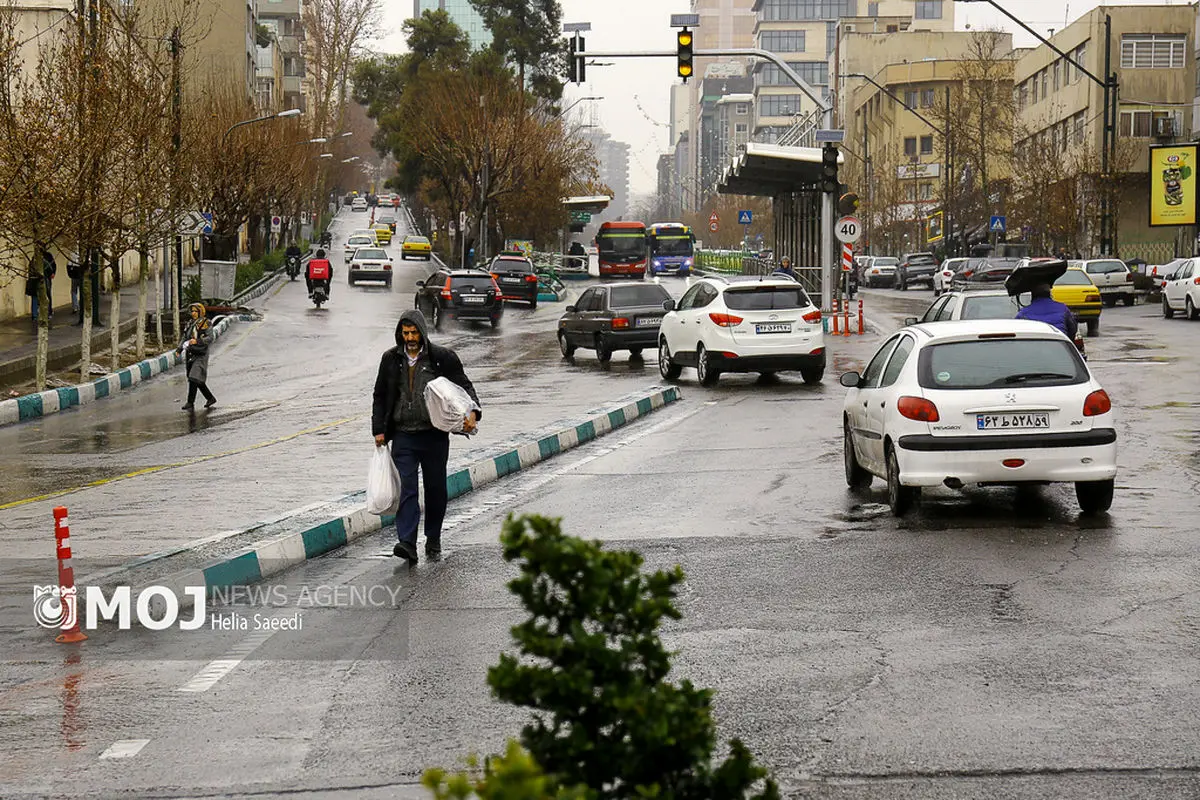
{"x":669,"y":304}
{"x":851,"y":380}
{"x":421,"y":284}
{"x":569,"y":309}
{"x":910,"y":321}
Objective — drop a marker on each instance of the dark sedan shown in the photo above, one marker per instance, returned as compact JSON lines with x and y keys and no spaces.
{"x":990,"y":271}
{"x":516,"y":277}
{"x":617,"y":316}
{"x":459,"y":293}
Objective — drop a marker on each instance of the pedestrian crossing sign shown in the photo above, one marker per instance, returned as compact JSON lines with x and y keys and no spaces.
{"x":745,"y":217}
{"x":998,"y":224}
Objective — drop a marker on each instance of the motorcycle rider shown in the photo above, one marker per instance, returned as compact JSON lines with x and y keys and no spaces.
{"x":1044,"y":308}
{"x":292,"y":254}
{"x":319,"y":273}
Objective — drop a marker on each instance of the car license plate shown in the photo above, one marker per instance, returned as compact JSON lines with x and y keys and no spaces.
{"x":470,"y":299}
{"x":646,"y":322}
{"x":992,"y":422}
{"x":511,"y":280}
{"x":773,"y":327}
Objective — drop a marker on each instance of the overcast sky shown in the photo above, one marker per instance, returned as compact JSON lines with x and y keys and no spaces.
{"x":636,"y":92}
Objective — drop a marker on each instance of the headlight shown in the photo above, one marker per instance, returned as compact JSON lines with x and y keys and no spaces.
{"x":687,"y":262}
{"x":658,"y":262}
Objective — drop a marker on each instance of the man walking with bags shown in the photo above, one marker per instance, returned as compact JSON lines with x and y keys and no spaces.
{"x":399,"y":415}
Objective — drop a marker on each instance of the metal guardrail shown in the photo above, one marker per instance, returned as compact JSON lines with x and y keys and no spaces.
{"x":740,"y":262}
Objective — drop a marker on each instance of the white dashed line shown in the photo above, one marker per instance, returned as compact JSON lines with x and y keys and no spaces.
{"x":206,"y":678}
{"x":125,"y":748}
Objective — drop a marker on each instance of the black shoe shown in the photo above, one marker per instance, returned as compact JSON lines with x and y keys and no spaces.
{"x":211,"y":403}
{"x":188,"y":407}
{"x":405,"y":550}
{"x":433,"y":551}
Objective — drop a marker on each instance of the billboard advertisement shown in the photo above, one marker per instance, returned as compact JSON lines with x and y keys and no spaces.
{"x":1173,"y":184}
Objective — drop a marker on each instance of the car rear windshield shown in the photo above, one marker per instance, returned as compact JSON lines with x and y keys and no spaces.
{"x":369,"y":252}
{"x":417,"y":240}
{"x":989,"y":307}
{"x":921,"y":258}
{"x":627,"y":296}
{"x":1074,"y":277}
{"x":471,"y":281}
{"x":1107,"y":266}
{"x":885,"y":262}
{"x":1000,"y":363}
{"x":512,"y":265}
{"x":990,"y":264}
{"x":360,"y":240}
{"x":765,"y":298}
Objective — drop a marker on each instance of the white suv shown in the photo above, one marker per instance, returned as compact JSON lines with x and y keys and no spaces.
{"x":742,"y":325}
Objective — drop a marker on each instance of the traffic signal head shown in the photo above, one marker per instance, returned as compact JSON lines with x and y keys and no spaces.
{"x":847,"y":203}
{"x":683,"y":52}
{"x":572,"y":62}
{"x":829,"y":169}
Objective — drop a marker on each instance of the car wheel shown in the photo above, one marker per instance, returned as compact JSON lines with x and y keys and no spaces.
{"x":388,"y":283}
{"x":667,"y":367}
{"x":403,"y":257}
{"x":635,"y":352}
{"x":856,"y":476}
{"x":1129,"y":299}
{"x":603,"y":351}
{"x":704,"y":371}
{"x":1093,"y":327}
{"x":1110,"y":300}
{"x":436,"y":315}
{"x":1168,"y":312}
{"x":903,"y":285}
{"x":350,"y":281}
{"x":900,"y":498}
{"x":496,"y":321}
{"x":566,"y":347}
{"x":1095,"y":497}
{"x":533,"y":304}
{"x":812,"y":374}
{"x":1190,"y":309}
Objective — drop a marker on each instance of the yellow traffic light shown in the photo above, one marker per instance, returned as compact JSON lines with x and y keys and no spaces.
{"x":684,"y":54}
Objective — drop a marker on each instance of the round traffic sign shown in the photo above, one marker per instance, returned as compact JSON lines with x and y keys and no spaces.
{"x":712,"y":226}
{"x":848,"y":230}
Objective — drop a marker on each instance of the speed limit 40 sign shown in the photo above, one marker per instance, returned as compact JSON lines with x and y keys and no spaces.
{"x":848,"y":230}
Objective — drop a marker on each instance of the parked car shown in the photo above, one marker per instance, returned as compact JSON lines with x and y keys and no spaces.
{"x":517,"y":279}
{"x":355,"y":241}
{"x":1112,"y":277}
{"x":879,"y":271}
{"x":617,"y":316}
{"x":370,"y":264}
{"x":915,"y":268}
{"x":989,"y":271}
{"x":1181,"y":291}
{"x":988,"y":402}
{"x":749,"y":325}
{"x":383,"y":233}
{"x":417,"y":247}
{"x":462,"y":294}
{"x":944,"y":274}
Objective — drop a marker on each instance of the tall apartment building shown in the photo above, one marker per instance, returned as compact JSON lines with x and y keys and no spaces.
{"x":614,"y":170}
{"x":464,"y":16}
{"x":284,"y":19}
{"x":712,"y":150}
{"x":1060,"y":109}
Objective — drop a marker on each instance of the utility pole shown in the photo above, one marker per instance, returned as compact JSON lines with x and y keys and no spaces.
{"x":176,"y":144}
{"x":1105,"y":222}
{"x":948,"y":183}
{"x":90,"y":83}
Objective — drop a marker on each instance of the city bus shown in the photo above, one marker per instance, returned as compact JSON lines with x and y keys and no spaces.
{"x":622,"y":249}
{"x":671,"y":247}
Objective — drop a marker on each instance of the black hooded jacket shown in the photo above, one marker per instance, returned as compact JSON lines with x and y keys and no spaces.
{"x":392,"y":367}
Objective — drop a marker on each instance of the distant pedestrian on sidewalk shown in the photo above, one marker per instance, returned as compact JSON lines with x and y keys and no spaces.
{"x":399,"y":415}
{"x":196,"y":339}
{"x":33,"y":285}
{"x":75,"y":273}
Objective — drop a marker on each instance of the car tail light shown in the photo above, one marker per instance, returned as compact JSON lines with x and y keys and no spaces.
{"x":495,"y":286}
{"x":1097,"y":403}
{"x":968,"y":273}
{"x":1196,"y":281}
{"x":917,"y":408}
{"x":1129,"y":277}
{"x":1013,"y":463}
{"x":620,"y":322}
{"x":1091,"y":298}
{"x":817,"y":352}
{"x":812,"y":316}
{"x":725,"y":320}
{"x":531,"y":278}
{"x":387,"y":267}
{"x":495,"y":276}
{"x":729,"y":355}
{"x":446,"y":290}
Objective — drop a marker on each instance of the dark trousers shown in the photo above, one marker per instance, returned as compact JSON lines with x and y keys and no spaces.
{"x":429,"y":451}
{"x":202,"y":387}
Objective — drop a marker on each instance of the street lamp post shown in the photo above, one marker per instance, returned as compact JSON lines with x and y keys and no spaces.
{"x":563,"y":113}
{"x":291,"y":112}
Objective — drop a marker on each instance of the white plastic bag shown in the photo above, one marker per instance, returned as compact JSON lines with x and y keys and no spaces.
{"x":383,"y":483}
{"x":448,"y":404}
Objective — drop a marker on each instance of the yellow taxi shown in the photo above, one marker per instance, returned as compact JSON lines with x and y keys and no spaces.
{"x":1076,"y":291}
{"x":417,"y":247}
{"x":383,"y":233}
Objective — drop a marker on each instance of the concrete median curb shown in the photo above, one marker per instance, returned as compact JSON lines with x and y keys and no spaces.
{"x":51,"y":401}
{"x":275,"y":555}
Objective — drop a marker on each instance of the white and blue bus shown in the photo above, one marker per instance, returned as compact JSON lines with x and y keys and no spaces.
{"x":672,"y":246}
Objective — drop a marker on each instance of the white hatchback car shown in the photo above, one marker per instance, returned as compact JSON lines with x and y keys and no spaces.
{"x":941,"y":278}
{"x":1181,"y":290}
{"x":763,"y":325}
{"x":989,"y":402}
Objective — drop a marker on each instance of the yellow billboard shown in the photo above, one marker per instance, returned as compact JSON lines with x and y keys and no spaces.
{"x":934,"y":227}
{"x":1173,"y":184}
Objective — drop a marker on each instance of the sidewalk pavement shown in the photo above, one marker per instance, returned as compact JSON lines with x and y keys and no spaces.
{"x":18,"y":338}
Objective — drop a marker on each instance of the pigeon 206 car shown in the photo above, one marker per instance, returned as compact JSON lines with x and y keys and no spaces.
{"x":619,"y":316}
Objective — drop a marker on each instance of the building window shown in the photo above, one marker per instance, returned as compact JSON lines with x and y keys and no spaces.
{"x":1045,"y":84}
{"x":1080,"y":55}
{"x":1034,"y":82}
{"x":872,"y":9}
{"x":1080,"y":123}
{"x":1022,"y":96}
{"x":1153,"y":50}
{"x":893,"y":28}
{"x":741,"y":109}
{"x":778,"y":105}
{"x":910,"y":192}
{"x":1057,"y":75}
{"x":910,"y":145}
{"x":740,"y":127}
{"x":813,"y":72}
{"x":927,"y":98}
{"x":796,"y":10}
{"x":830,"y":37}
{"x":926,"y":145}
{"x":1145,"y":124}
{"x":926,"y":190}
{"x":910,"y":98}
{"x":782,"y":41}
{"x":929,"y":9}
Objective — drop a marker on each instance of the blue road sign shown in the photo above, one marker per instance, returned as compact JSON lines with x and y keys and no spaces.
{"x":745,"y":217}
{"x":208,"y":222}
{"x":998,"y":224}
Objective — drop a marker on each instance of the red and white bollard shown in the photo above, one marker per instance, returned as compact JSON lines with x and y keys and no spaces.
{"x":860,"y":317}
{"x":846,"y":320}
{"x":833,"y":312}
{"x":66,"y":580}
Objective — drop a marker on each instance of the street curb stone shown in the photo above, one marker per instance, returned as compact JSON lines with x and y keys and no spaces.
{"x":51,"y":401}
{"x":275,"y":555}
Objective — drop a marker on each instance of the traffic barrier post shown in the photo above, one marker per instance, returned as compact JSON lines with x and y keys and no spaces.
{"x":860,"y":317}
{"x":66,"y":580}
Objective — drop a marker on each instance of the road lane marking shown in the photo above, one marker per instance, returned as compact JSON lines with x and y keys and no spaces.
{"x":207,"y":678}
{"x":125,"y":748}
{"x":177,"y":465}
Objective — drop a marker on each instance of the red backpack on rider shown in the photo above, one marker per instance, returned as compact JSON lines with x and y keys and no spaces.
{"x":318,"y":269}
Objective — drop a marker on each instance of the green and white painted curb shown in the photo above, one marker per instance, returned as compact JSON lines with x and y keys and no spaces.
{"x":281,"y":553}
{"x":51,"y":401}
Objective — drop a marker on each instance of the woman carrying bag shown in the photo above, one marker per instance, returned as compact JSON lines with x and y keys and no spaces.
{"x":196,"y":339}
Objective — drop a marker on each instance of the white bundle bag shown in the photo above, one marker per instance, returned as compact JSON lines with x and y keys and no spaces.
{"x":383,"y":483}
{"x":448,"y":404}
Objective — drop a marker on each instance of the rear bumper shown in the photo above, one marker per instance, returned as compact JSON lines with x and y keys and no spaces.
{"x":521,"y":295}
{"x":1084,"y":456}
{"x":637,"y":337}
{"x":475,"y":312}
{"x":1087,"y":312}
{"x":622,"y":269}
{"x":766,"y":363}
{"x":371,"y":275}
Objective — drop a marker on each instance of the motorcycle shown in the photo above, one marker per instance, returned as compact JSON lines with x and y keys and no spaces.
{"x":293,"y":267}
{"x":319,"y":295}
{"x":326,"y":239}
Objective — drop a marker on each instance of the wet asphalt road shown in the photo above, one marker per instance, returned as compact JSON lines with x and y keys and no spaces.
{"x":991,"y":645}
